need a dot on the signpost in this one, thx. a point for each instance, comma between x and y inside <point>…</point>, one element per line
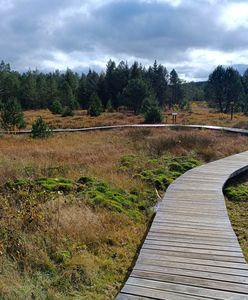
<point>174,117</point>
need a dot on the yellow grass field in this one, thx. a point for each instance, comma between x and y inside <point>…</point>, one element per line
<point>200,114</point>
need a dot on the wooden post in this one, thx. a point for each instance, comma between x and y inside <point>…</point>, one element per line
<point>232,105</point>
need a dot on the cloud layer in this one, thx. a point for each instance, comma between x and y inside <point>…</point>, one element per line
<point>192,35</point>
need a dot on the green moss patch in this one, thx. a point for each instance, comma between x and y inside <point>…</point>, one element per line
<point>101,194</point>
<point>237,193</point>
<point>160,172</point>
<point>56,184</point>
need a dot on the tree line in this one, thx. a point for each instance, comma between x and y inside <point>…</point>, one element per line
<point>119,85</point>
<point>134,87</point>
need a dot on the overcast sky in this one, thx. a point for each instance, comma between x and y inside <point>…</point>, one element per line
<point>193,36</point>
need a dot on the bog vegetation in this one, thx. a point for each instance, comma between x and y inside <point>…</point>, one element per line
<point>69,229</point>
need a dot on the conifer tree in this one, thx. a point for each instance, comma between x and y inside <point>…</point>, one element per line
<point>40,129</point>
<point>151,111</point>
<point>135,93</point>
<point>12,117</point>
<point>56,107</point>
<point>95,108</point>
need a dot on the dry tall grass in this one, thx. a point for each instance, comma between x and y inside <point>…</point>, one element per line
<point>200,114</point>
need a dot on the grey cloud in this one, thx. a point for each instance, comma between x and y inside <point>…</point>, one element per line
<point>32,31</point>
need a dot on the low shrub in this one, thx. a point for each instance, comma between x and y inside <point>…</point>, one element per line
<point>153,115</point>
<point>56,107</point>
<point>67,112</point>
<point>40,129</point>
<point>237,193</point>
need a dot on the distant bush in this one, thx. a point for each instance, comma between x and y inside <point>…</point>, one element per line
<point>153,115</point>
<point>95,108</point>
<point>40,129</point>
<point>56,107</point>
<point>73,104</point>
<point>186,105</point>
<point>68,112</point>
<point>109,107</point>
<point>151,111</point>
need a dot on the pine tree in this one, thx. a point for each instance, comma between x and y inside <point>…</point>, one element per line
<point>9,85</point>
<point>56,107</point>
<point>91,86</point>
<point>11,115</point>
<point>42,91</point>
<point>72,79</point>
<point>52,89</point>
<point>224,86</point>
<point>40,129</point>
<point>28,93</point>
<point>158,78</point>
<point>233,88</point>
<point>95,108</point>
<point>152,111</point>
<point>67,112</point>
<point>109,107</point>
<point>176,91</point>
<point>136,71</point>
<point>81,92</point>
<point>135,93</point>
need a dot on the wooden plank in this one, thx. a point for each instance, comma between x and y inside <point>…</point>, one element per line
<point>186,255</point>
<point>186,289</point>
<point>192,245</point>
<point>188,240</point>
<point>241,282</point>
<point>192,266</point>
<point>203,262</point>
<point>144,293</point>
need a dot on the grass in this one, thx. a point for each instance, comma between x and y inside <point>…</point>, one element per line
<point>236,193</point>
<point>81,119</point>
<point>200,114</point>
<point>75,207</point>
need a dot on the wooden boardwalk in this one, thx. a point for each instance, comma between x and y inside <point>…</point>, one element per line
<point>191,251</point>
<point>131,126</point>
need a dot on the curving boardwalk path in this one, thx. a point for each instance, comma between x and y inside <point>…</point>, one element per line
<point>191,251</point>
<point>112,127</point>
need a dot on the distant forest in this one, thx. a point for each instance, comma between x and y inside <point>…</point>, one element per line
<point>121,85</point>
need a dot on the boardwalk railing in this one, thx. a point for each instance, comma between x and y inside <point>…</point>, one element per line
<point>191,250</point>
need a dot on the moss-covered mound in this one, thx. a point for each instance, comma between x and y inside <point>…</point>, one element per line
<point>160,172</point>
<point>237,192</point>
<point>101,194</point>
